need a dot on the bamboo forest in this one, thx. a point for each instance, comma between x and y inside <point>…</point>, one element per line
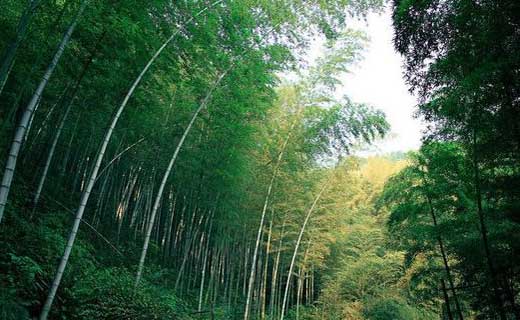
<point>260,159</point>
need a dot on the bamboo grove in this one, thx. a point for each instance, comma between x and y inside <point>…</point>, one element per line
<point>149,125</point>
<point>182,160</point>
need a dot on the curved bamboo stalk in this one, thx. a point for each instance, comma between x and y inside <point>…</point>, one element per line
<point>262,219</point>
<point>167,175</point>
<point>93,176</point>
<point>29,110</point>
<point>295,253</point>
<point>10,52</point>
<point>69,103</point>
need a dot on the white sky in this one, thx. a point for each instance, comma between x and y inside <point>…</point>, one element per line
<point>378,81</point>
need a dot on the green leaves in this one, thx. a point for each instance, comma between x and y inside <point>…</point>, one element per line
<point>340,53</point>
<point>220,170</point>
<point>393,308</point>
<point>10,306</point>
<point>334,131</point>
<point>109,294</point>
<point>434,200</point>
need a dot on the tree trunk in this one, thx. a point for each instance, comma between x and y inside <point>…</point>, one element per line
<point>204,262</point>
<point>446,300</point>
<point>167,175</point>
<point>9,118</point>
<point>192,234</point>
<point>43,125</point>
<point>168,237</point>
<point>93,176</point>
<point>23,124</point>
<point>68,107</point>
<point>484,233</point>
<point>299,289</point>
<point>50,155</point>
<point>295,253</point>
<point>10,51</point>
<point>444,255</point>
<point>274,276</point>
<point>266,264</point>
<point>261,225</point>
<point>203,276</point>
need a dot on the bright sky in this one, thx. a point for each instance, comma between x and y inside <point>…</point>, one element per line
<point>378,81</point>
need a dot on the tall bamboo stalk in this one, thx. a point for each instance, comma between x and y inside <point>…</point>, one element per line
<point>274,276</point>
<point>68,107</point>
<point>93,176</point>
<point>296,247</point>
<point>263,291</point>
<point>262,219</point>
<point>444,256</point>
<point>166,175</point>
<point>23,124</point>
<point>10,52</point>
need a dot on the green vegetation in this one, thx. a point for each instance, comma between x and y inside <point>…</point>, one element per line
<point>155,165</point>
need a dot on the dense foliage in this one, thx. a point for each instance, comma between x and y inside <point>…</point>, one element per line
<point>158,163</point>
<point>163,123</point>
<point>459,199</point>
